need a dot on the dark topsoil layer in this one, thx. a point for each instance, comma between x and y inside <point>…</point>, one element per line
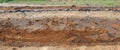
<point>60,8</point>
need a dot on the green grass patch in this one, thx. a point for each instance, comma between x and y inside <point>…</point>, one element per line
<point>69,2</point>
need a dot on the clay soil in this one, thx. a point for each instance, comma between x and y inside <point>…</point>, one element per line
<point>59,27</point>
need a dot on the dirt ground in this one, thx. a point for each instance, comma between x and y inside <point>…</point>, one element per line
<point>59,8</point>
<point>60,30</point>
<point>97,47</point>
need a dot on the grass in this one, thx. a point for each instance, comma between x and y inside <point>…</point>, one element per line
<point>75,2</point>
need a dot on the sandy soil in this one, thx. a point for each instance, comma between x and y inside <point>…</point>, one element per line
<point>97,47</point>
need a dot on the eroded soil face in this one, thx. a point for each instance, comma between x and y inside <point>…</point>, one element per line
<point>58,28</point>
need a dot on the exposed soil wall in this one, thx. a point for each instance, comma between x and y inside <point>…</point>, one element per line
<point>60,27</point>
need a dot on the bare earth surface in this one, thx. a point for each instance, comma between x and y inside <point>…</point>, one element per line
<point>59,29</point>
<point>97,47</point>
